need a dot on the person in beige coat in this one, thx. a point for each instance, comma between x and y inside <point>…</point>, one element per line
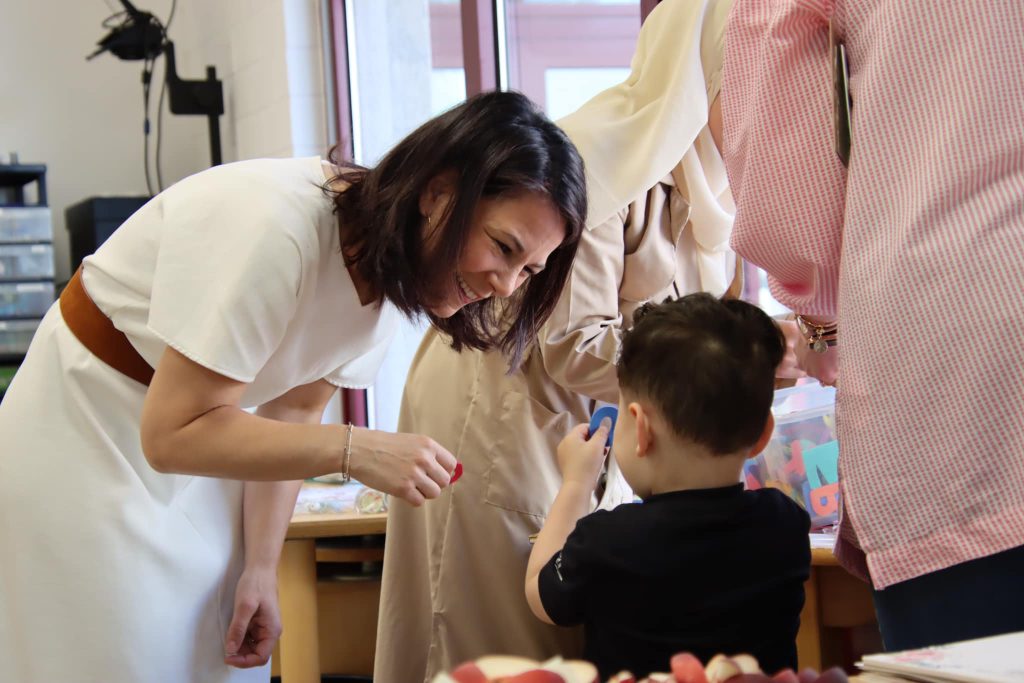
<point>658,226</point>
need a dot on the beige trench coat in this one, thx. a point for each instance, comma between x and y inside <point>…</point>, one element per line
<point>454,569</point>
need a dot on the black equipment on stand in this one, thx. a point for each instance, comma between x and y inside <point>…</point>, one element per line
<point>141,36</point>
<point>205,98</point>
<point>91,221</point>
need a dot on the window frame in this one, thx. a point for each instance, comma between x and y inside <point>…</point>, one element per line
<point>481,62</point>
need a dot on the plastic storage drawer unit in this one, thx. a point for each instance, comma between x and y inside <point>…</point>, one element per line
<point>25,299</point>
<point>16,335</point>
<point>25,224</point>
<point>26,262</point>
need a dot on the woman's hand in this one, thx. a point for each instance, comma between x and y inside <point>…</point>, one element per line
<point>410,466</point>
<point>256,624</point>
<point>824,367</point>
<point>790,368</point>
<point>580,459</point>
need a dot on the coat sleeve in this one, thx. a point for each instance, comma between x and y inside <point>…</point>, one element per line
<point>787,181</point>
<point>579,343</point>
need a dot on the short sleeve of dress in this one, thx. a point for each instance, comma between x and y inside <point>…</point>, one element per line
<point>564,583</point>
<point>362,372</point>
<point>228,271</point>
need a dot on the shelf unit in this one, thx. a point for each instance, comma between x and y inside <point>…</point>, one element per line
<point>26,261</point>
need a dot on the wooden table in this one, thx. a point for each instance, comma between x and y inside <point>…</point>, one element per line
<point>298,651</point>
<point>834,599</point>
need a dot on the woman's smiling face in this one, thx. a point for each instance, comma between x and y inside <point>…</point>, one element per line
<point>509,240</point>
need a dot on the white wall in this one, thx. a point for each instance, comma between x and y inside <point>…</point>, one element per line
<point>277,82</point>
<point>84,119</point>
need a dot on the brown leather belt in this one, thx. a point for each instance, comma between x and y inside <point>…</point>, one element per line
<point>98,334</point>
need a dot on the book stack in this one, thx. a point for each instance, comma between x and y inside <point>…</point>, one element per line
<point>997,659</point>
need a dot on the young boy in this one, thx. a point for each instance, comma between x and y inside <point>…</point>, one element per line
<point>701,565</point>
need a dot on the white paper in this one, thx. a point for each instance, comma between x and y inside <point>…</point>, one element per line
<point>998,659</point>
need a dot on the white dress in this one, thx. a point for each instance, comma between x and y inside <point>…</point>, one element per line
<point>109,570</point>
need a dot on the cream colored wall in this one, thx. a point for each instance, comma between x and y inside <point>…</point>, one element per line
<point>84,119</point>
<point>278,87</point>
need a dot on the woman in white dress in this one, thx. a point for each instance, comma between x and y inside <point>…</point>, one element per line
<point>142,508</point>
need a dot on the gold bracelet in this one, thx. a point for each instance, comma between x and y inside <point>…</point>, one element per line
<point>345,476</point>
<point>819,337</point>
<point>807,327</point>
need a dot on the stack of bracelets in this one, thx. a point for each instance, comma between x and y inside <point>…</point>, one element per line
<point>819,336</point>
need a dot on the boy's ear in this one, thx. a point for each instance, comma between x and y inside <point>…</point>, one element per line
<point>766,436</point>
<point>644,433</point>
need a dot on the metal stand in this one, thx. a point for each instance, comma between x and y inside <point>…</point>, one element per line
<point>205,98</point>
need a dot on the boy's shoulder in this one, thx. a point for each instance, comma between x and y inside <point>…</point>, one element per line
<point>764,509</point>
<point>608,521</point>
<point>610,528</point>
<point>624,522</point>
<point>778,505</point>
<point>776,501</point>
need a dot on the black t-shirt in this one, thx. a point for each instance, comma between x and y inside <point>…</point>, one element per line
<point>705,571</point>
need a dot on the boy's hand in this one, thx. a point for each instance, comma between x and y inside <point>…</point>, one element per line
<point>580,459</point>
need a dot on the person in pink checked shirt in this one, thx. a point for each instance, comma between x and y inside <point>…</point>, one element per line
<point>907,267</point>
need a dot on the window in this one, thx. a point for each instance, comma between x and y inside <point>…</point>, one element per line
<point>404,62</point>
<point>400,62</point>
<point>560,53</point>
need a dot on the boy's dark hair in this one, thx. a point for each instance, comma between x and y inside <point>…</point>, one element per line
<point>708,365</point>
<point>499,144</point>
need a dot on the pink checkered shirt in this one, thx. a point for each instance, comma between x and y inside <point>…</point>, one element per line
<point>917,249</point>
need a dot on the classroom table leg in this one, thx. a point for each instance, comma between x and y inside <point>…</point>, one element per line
<point>299,644</point>
<point>808,638</point>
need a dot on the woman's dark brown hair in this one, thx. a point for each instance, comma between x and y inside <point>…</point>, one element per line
<point>498,144</point>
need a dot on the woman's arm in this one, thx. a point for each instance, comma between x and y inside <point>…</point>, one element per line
<point>787,181</point>
<point>823,365</point>
<point>268,505</point>
<point>715,122</point>
<point>580,341</point>
<point>192,424</point>
<point>266,511</point>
